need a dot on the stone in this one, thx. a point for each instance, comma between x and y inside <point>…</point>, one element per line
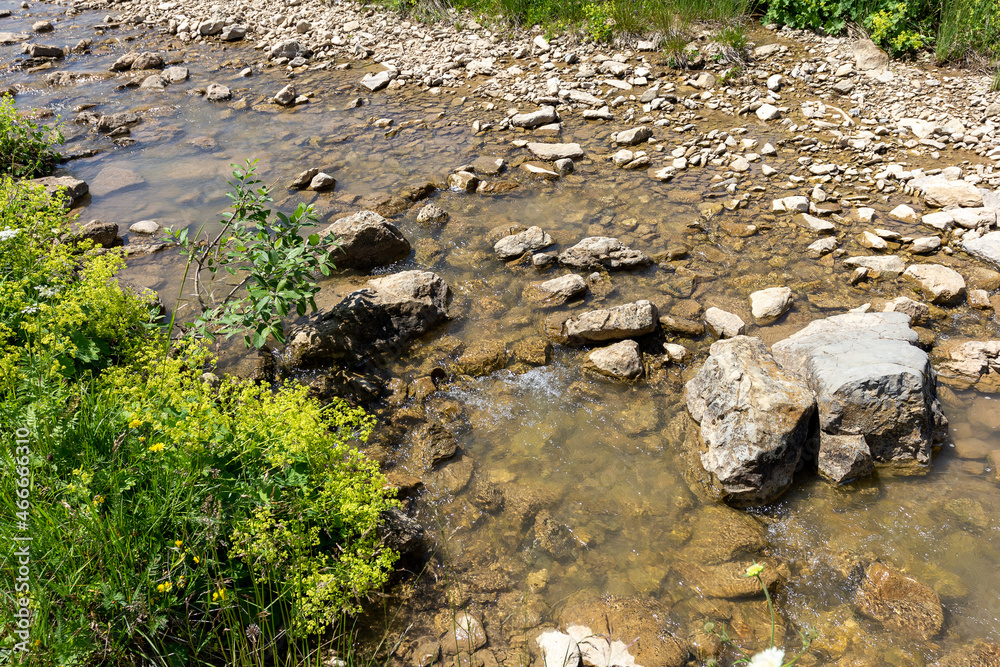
<point>558,649</point>
<point>103,234</point>
<point>640,623</point>
<point>144,227</point>
<point>796,204</point>
<point>543,116</point>
<point>868,57</point>
<point>870,379</point>
<point>844,458</point>
<point>463,181</point>
<point>940,192</point>
<point>985,248</point>
<point>399,531</point>
<point>724,324</point>
<point>388,314</point>
<point>375,81</point>
<point>72,190</point>
<point>286,96</point>
<point>433,444</point>
<point>966,364</point>
<point>607,324</point>
<point>869,240</point>
<point>465,635</point>
<point>42,26</point>
<point>888,266</point>
<point>558,290</point>
<point>767,50</point>
<point>904,213</point>
<point>365,240</point>
<point>636,135</point>
<point>918,312</point>
<point>112,179</point>
<point>216,92</point>
<point>154,82</point>
<point>489,166</point>
<point>595,252</point>
<point>945,286</point>
<point>45,51</point>
<point>843,87</point>
<point>822,247</point>
<point>483,359</point>
<point>515,245</point>
<point>598,650</point>
<point>432,213</point>
<point>774,82</point>
<point>552,152</point>
<point>288,48</point>
<point>621,361</point>
<point>942,220</point>
<point>304,178</point>
<point>233,33</point>
<point>768,112</point>
<point>899,602</point>
<point>769,304</point>
<point>925,245</point>
<point>176,74</point>
<point>818,225</point>
<point>210,27</point>
<point>114,121</point>
<point>147,60</point>
<point>322,182</point>
<point>755,419</point>
<point>973,218</point>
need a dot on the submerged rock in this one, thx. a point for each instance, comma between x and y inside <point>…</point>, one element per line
<point>70,189</point>
<point>366,240</point>
<point>900,602</point>
<point>870,380</point>
<point>606,324</point>
<point>640,623</point>
<point>558,649</point>
<point>556,291</point>
<point>755,420</point>
<point>515,245</point>
<point>972,363</point>
<point>622,361</point>
<point>595,252</point>
<point>382,318</point>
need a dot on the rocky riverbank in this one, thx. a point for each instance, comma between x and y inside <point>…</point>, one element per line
<point>598,230</point>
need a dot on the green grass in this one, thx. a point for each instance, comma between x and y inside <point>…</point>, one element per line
<point>26,150</point>
<point>175,519</point>
<point>969,30</point>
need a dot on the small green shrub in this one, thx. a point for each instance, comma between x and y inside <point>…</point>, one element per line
<point>599,24</point>
<point>887,29</point>
<point>829,16</point>
<point>26,150</point>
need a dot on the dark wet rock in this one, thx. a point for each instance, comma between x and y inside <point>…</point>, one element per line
<point>729,580</point>
<point>382,318</point>
<point>844,458</point>
<point>721,534</point>
<point>870,379</point>
<point>556,291</point>
<point>681,326</point>
<point>596,252</point>
<point>555,537</point>
<point>114,121</point>
<point>606,324</point>
<point>542,116</point>
<point>533,352</point>
<point>621,361</point>
<point>755,420</point>
<point>103,234</point>
<point>113,179</point>
<point>138,61</point>
<point>45,51</point>
<point>642,624</point>
<point>434,444</point>
<point>400,532</point>
<point>366,240</point>
<point>901,603</point>
<point>427,653</point>
<point>465,635</point>
<point>70,189</point>
<point>482,359</point>
<point>515,245</point>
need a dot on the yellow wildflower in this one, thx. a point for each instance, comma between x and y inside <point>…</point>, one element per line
<point>161,588</point>
<point>196,560</point>
<point>158,447</point>
<point>135,423</point>
<point>98,500</point>
<point>754,570</point>
<point>178,543</point>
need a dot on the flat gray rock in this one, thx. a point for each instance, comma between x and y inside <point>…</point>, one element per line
<point>553,152</point>
<point>366,240</point>
<point>985,248</point>
<point>886,265</point>
<point>621,361</point>
<point>871,380</point>
<point>606,324</point>
<point>595,252</point>
<point>515,245</point>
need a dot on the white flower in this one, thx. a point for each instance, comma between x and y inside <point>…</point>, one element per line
<point>772,657</point>
<point>7,233</point>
